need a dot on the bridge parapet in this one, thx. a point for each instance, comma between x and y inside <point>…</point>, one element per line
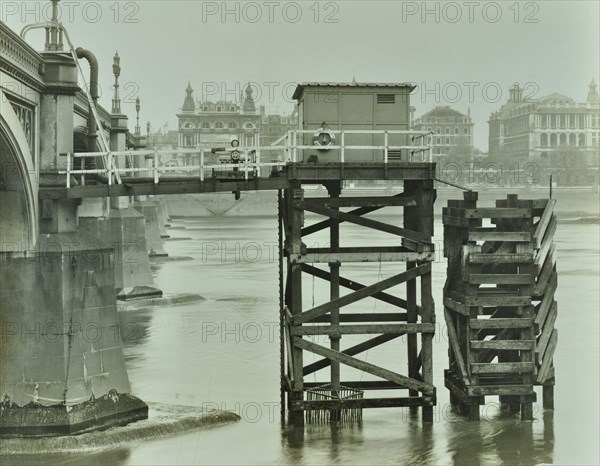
<point>20,60</point>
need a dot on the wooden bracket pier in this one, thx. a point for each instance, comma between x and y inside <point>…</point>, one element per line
<point>415,315</point>
<point>499,302</point>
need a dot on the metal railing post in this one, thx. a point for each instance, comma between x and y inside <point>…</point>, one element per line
<point>202,165</point>
<point>431,147</point>
<point>294,146</point>
<point>385,147</point>
<point>257,161</point>
<point>342,142</point>
<point>69,169</point>
<point>155,164</point>
<point>109,170</point>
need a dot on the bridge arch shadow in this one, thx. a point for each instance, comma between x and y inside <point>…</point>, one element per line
<point>18,186</point>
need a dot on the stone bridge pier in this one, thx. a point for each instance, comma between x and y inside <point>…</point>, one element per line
<point>132,234</point>
<point>63,369</point>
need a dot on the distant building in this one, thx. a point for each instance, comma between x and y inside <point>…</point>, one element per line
<point>527,128</point>
<point>216,124</point>
<point>451,129</point>
<point>273,127</point>
<point>163,139</point>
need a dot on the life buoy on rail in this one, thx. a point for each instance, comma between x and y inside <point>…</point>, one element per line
<point>323,137</point>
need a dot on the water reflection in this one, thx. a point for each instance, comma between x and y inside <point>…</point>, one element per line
<point>502,441</point>
<point>321,444</point>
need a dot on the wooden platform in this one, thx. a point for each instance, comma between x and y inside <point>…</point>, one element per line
<point>190,183</point>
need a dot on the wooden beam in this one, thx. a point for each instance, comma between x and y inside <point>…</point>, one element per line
<point>497,212</point>
<point>455,346</point>
<point>485,390</point>
<point>166,186</point>
<point>544,371</point>
<point>543,223</point>
<point>366,222</point>
<point>547,243</point>
<point>501,323</point>
<point>327,223</point>
<point>496,300</point>
<point>364,317</point>
<point>350,298</point>
<point>455,221</point>
<point>488,355</point>
<point>401,380</point>
<point>547,330</point>
<point>364,329</point>
<point>365,254</point>
<point>502,345</point>
<point>291,173</point>
<point>500,279</point>
<point>509,258</point>
<point>362,403</point>
<point>354,285</point>
<point>361,384</point>
<point>502,367</point>
<point>352,351</point>
<point>541,310</point>
<point>546,272</point>
<point>457,307</point>
<point>510,236</point>
<point>366,201</point>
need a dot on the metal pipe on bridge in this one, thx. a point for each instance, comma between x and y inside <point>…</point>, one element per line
<point>93,62</point>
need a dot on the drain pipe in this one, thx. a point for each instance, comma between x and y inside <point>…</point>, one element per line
<point>91,58</point>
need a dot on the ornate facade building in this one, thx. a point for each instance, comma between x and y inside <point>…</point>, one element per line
<point>452,129</point>
<point>527,128</point>
<point>216,124</point>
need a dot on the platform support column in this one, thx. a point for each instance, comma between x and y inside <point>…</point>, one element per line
<point>419,218</point>
<point>282,332</point>
<point>294,297</point>
<point>548,396</point>
<point>334,190</point>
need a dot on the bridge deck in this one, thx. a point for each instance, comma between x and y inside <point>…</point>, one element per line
<point>307,173</point>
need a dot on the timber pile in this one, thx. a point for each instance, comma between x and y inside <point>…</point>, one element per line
<point>499,302</point>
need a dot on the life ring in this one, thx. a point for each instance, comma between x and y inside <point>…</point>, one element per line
<point>323,138</point>
<point>235,156</point>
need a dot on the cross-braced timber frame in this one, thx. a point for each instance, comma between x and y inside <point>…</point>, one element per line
<point>415,250</point>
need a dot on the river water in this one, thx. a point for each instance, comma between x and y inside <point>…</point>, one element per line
<point>223,352</point>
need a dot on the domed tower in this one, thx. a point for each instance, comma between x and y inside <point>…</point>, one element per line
<point>188,104</point>
<point>249,106</point>
<point>592,97</point>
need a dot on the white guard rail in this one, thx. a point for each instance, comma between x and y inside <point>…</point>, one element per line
<point>284,150</point>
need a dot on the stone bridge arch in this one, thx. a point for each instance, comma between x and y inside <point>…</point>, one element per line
<point>18,185</point>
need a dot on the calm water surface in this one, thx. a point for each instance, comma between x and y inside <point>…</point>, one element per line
<point>223,352</point>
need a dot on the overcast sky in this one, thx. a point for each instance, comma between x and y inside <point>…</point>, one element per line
<point>460,54</point>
